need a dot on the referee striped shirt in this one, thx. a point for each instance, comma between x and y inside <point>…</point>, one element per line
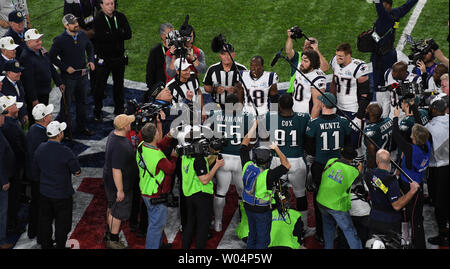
<point>179,89</point>
<point>217,76</point>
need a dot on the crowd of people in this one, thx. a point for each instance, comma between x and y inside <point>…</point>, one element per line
<point>365,145</point>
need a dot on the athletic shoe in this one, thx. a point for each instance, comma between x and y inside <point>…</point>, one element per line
<point>218,226</point>
<point>110,244</point>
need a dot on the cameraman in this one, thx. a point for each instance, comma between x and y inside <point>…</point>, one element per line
<point>427,64</point>
<point>258,184</point>
<point>385,196</point>
<point>296,57</point>
<point>414,162</point>
<point>198,189</point>
<point>155,173</point>
<point>195,56</point>
<point>385,26</point>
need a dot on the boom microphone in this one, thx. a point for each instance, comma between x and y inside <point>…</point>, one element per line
<point>217,43</point>
<point>275,59</point>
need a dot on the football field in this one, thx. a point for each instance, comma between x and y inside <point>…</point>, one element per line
<point>254,27</point>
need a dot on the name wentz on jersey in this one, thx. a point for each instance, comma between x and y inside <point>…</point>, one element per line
<point>217,76</point>
<point>346,83</point>
<point>258,90</point>
<point>288,132</point>
<point>302,89</point>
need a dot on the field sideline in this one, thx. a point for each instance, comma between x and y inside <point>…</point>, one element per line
<point>254,27</point>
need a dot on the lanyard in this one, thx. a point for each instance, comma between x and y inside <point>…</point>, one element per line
<point>115,22</point>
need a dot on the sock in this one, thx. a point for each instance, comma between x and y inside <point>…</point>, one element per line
<point>219,204</point>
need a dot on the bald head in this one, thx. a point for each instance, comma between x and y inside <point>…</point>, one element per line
<point>383,158</point>
<point>399,70</point>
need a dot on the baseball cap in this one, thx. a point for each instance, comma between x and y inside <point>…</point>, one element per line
<point>41,110</point>
<point>184,64</point>
<point>69,19</point>
<point>32,34</point>
<point>7,43</point>
<point>122,120</point>
<point>13,66</point>
<point>55,127</point>
<point>16,16</point>
<point>324,100</point>
<point>7,101</point>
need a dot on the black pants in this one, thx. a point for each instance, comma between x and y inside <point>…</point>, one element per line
<point>362,229</point>
<point>316,172</point>
<point>199,214</point>
<point>14,199</point>
<point>441,191</point>
<point>414,215</point>
<point>102,73</point>
<point>379,227</point>
<point>33,217</point>
<point>139,215</point>
<point>59,210</point>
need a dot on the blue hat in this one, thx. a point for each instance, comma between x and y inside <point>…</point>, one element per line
<point>13,66</point>
<point>16,16</point>
<point>326,101</point>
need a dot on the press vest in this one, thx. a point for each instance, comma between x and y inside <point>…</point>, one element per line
<point>334,190</point>
<point>191,182</point>
<point>293,76</point>
<point>255,185</point>
<point>150,158</point>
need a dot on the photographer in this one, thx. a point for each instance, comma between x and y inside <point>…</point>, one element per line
<point>414,161</point>
<point>259,181</point>
<point>385,27</point>
<point>198,188</point>
<point>296,57</point>
<point>195,56</point>
<point>111,30</point>
<point>427,62</point>
<point>155,173</point>
<point>385,196</point>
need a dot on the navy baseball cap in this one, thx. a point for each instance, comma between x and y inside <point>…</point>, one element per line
<point>16,16</point>
<point>13,66</point>
<point>325,101</point>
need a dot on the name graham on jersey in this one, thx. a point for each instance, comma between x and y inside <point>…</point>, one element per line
<point>228,118</point>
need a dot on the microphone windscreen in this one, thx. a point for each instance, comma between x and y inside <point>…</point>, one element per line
<point>217,43</point>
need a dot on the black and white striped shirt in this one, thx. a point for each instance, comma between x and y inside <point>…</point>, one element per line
<point>179,89</point>
<point>217,76</point>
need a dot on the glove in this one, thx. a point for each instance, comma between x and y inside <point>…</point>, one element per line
<point>357,122</point>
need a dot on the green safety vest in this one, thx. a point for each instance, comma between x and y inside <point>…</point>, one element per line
<point>291,85</point>
<point>280,233</point>
<point>190,182</point>
<point>259,190</point>
<point>334,190</point>
<point>148,183</point>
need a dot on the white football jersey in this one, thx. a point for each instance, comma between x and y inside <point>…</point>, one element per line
<point>258,90</point>
<point>302,89</point>
<point>389,80</point>
<point>346,83</point>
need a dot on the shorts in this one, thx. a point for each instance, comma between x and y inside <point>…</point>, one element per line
<point>119,210</point>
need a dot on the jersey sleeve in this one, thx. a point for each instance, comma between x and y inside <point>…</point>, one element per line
<point>207,80</point>
<point>361,70</point>
<point>311,129</point>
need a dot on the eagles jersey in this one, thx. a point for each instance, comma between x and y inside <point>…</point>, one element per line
<point>408,122</point>
<point>346,83</point>
<point>234,126</point>
<point>217,76</point>
<point>302,89</point>
<point>179,89</point>
<point>288,132</point>
<point>329,132</point>
<point>380,132</point>
<point>258,90</point>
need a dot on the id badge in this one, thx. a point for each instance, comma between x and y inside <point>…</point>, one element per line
<point>89,19</point>
<point>375,36</point>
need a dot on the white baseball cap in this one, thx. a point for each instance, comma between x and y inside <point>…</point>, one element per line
<point>41,110</point>
<point>32,34</point>
<point>184,64</point>
<point>7,101</point>
<point>7,43</point>
<point>55,127</point>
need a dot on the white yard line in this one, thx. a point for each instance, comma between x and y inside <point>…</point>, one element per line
<point>411,23</point>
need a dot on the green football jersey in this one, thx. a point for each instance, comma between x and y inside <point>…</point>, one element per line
<point>380,132</point>
<point>288,132</point>
<point>408,122</point>
<point>329,132</point>
<point>234,126</point>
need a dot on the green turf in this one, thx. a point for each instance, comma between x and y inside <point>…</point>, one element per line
<point>254,27</point>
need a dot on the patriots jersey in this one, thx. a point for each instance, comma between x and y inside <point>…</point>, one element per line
<point>389,80</point>
<point>288,132</point>
<point>302,89</point>
<point>380,132</point>
<point>329,133</point>
<point>346,83</point>
<point>258,90</point>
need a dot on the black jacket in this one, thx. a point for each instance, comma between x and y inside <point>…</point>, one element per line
<point>38,74</point>
<point>8,89</point>
<point>109,39</point>
<point>17,40</point>
<point>156,66</point>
